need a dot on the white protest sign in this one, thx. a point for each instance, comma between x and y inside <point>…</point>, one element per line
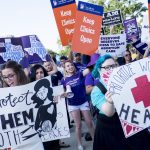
<point>131,85</point>
<point>29,110</point>
<point>145,35</point>
<point>115,45</point>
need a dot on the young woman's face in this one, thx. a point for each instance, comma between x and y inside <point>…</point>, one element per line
<point>9,77</point>
<point>42,93</point>
<point>39,74</point>
<point>108,65</point>
<point>69,67</point>
<point>48,66</point>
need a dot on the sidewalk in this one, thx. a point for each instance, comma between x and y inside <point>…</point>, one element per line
<point>73,142</point>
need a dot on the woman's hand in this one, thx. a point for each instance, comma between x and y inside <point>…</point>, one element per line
<point>108,97</point>
<point>63,95</point>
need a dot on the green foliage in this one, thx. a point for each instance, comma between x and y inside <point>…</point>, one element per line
<point>129,9</point>
<point>63,50</point>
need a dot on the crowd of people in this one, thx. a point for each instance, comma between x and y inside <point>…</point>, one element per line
<point>94,100</point>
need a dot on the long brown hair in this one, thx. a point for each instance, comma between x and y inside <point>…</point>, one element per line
<point>17,68</point>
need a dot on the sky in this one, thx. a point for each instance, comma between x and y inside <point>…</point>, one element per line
<point>27,17</point>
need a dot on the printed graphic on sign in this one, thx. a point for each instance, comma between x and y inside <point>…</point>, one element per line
<point>112,18</point>
<point>24,50</point>
<point>131,29</point>
<point>11,48</point>
<point>131,84</point>
<point>87,28</point>
<point>29,111</point>
<point>65,14</point>
<point>34,50</point>
<point>115,45</point>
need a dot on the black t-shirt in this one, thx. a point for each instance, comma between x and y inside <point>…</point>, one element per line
<point>56,78</point>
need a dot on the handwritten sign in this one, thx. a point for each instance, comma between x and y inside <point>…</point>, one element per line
<point>112,18</point>
<point>65,14</point>
<point>29,110</point>
<point>87,28</point>
<point>131,84</point>
<point>131,29</point>
<point>114,45</point>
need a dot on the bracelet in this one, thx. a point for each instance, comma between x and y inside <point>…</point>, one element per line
<point>110,102</point>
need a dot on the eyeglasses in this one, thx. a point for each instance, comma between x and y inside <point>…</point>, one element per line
<point>107,68</point>
<point>10,77</point>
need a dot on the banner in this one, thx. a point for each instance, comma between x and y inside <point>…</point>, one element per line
<point>130,85</point>
<point>29,110</point>
<point>112,18</point>
<point>115,45</point>
<point>65,14</point>
<point>131,29</point>
<point>87,28</point>
<point>24,50</point>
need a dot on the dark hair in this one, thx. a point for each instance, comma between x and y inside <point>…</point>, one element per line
<point>77,54</point>
<point>38,85</point>
<point>63,57</point>
<point>33,70</point>
<point>17,68</point>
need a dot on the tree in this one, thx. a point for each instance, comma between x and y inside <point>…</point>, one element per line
<point>129,9</point>
<point>64,50</point>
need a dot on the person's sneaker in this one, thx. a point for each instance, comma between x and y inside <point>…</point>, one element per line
<point>80,147</point>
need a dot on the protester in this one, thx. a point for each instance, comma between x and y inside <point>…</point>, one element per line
<point>38,72</point>
<point>128,58</point>
<point>55,77</point>
<point>78,102</point>
<point>109,134</point>
<point>13,75</point>
<point>62,61</point>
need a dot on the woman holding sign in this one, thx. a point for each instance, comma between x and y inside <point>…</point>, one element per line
<point>78,102</point>
<point>109,133</point>
<point>14,75</point>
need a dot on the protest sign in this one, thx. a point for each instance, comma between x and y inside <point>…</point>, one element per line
<point>131,29</point>
<point>130,85</point>
<point>24,50</point>
<point>34,49</point>
<point>112,18</point>
<point>29,110</point>
<point>87,28</point>
<point>140,46</point>
<point>65,14</point>
<point>10,49</point>
<point>115,45</point>
<point>145,35</point>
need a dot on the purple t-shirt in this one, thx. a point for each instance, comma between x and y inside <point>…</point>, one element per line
<point>76,82</point>
<point>89,80</point>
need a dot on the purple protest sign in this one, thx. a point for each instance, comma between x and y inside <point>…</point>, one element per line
<point>131,29</point>
<point>25,50</point>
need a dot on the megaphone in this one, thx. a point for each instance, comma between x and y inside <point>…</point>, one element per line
<point>69,93</point>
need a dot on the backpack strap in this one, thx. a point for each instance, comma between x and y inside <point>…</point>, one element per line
<point>101,87</point>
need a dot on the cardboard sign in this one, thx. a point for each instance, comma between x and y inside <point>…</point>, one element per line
<point>140,46</point>
<point>112,18</point>
<point>115,45</point>
<point>145,34</point>
<point>131,85</point>
<point>24,50</point>
<point>29,110</point>
<point>87,28</point>
<point>131,29</point>
<point>65,13</point>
